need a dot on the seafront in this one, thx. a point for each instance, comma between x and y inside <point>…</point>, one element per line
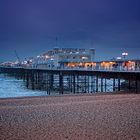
<point>72,117</point>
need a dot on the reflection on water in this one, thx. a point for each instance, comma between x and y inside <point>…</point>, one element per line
<point>11,87</point>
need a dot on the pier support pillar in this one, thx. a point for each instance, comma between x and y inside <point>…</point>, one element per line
<point>32,81</point>
<point>51,81</point>
<point>27,79</point>
<point>129,85</point>
<point>136,85</point>
<point>96,83</point>
<point>88,83</point>
<point>73,83</point>
<point>113,84</point>
<point>119,85</point>
<point>105,84</point>
<point>60,83</point>
<point>101,84</point>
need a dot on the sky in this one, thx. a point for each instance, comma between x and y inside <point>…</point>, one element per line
<point>31,26</point>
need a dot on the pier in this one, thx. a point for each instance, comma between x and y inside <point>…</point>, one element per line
<point>63,81</point>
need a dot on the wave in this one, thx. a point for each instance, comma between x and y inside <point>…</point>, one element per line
<point>11,87</point>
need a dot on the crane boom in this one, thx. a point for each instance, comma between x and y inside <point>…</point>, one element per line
<point>17,57</point>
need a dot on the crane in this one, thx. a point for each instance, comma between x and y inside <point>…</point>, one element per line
<point>17,57</point>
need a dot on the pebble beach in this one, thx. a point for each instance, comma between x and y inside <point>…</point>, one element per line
<point>71,117</point>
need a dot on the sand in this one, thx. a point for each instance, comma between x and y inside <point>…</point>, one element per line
<point>87,117</point>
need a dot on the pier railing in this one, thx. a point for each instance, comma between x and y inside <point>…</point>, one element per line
<point>121,69</point>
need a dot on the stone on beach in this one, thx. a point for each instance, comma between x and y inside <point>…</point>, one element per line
<point>86,117</point>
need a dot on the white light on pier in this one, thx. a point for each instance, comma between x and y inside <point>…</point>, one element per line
<point>52,59</point>
<point>47,57</point>
<point>124,54</point>
<point>119,58</point>
<point>84,57</point>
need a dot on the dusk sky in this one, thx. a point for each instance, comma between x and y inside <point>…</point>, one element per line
<point>31,26</point>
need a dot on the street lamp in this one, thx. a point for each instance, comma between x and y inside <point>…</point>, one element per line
<point>124,54</point>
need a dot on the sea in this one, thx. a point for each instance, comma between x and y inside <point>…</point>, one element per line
<point>11,87</point>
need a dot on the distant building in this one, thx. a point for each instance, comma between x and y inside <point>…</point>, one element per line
<point>65,58</point>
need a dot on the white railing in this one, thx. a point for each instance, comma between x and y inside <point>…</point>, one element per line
<point>120,69</point>
<point>92,69</point>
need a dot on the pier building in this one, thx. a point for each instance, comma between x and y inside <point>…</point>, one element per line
<point>64,58</point>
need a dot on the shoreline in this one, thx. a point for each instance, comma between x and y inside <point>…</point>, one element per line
<point>76,94</point>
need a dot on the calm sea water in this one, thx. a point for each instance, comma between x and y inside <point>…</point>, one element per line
<point>11,87</point>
